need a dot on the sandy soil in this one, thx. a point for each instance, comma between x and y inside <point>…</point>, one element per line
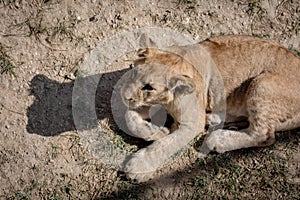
<point>41,154</point>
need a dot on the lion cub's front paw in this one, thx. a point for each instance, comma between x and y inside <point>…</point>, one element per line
<point>143,129</point>
<point>138,168</point>
<point>140,177</point>
<point>158,134</point>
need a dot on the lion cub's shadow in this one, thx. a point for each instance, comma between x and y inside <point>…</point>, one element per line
<point>50,114</point>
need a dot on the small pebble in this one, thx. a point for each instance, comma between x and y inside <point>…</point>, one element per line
<point>94,18</point>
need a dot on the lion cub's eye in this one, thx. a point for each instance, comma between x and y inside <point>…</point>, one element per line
<point>147,87</point>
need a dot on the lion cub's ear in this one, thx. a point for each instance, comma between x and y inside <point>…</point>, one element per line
<point>146,56</point>
<point>181,85</point>
<point>146,42</point>
<point>149,49</point>
<point>146,53</point>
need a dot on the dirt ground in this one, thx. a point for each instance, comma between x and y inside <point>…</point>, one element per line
<point>42,45</point>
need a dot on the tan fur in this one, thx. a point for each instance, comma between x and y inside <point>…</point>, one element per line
<point>260,81</point>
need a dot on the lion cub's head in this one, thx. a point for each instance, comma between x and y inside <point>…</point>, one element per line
<point>162,78</point>
<point>156,79</point>
<point>148,84</point>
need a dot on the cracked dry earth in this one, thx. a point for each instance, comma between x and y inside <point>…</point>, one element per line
<point>41,154</point>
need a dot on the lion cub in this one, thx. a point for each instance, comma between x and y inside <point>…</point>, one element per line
<point>244,77</point>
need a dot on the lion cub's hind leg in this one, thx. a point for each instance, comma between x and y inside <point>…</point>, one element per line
<point>267,113</point>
